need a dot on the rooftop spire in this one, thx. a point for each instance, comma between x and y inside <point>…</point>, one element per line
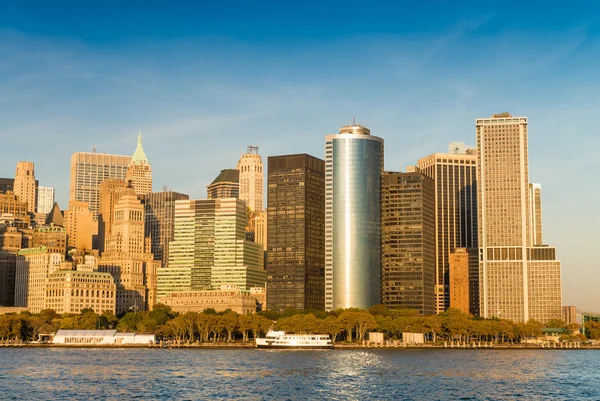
<point>139,156</point>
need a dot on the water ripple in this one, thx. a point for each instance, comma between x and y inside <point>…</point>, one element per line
<point>249,374</point>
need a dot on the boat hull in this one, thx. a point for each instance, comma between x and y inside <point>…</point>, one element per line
<point>296,347</point>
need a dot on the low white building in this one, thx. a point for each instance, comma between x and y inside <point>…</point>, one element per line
<point>101,337</point>
<point>413,338</point>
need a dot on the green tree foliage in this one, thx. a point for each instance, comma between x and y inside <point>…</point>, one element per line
<point>592,330</point>
<point>349,324</point>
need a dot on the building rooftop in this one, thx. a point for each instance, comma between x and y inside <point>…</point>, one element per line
<point>55,216</point>
<point>227,175</point>
<point>139,156</point>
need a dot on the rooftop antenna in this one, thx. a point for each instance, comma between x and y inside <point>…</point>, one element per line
<point>353,121</point>
<point>93,149</point>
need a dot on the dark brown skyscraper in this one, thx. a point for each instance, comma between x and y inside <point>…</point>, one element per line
<point>455,180</point>
<point>296,232</point>
<point>408,242</point>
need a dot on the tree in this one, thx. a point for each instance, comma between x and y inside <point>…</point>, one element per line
<point>556,323</point>
<point>348,320</point>
<point>433,325</point>
<point>245,325</point>
<point>379,310</point>
<point>364,322</point>
<point>592,329</point>
<point>230,323</point>
<point>204,325</point>
<point>129,322</point>
<point>332,326</point>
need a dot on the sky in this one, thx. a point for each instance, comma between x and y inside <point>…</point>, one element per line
<point>203,80</point>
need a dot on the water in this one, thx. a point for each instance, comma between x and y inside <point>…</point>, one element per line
<point>146,374</point>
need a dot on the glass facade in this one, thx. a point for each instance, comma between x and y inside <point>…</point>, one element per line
<point>357,161</point>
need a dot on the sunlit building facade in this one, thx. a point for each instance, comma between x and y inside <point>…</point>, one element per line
<point>88,170</point>
<point>25,186</point>
<point>210,248</point>
<point>353,169</point>
<point>139,171</point>
<point>455,178</point>
<point>251,177</point>
<point>518,280</point>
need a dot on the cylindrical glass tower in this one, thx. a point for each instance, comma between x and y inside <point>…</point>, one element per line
<point>353,197</point>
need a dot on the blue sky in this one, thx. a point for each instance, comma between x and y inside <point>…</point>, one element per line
<point>202,80</point>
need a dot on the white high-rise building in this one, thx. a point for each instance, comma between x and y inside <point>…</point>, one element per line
<point>45,199</point>
<point>251,179</point>
<point>519,280</point>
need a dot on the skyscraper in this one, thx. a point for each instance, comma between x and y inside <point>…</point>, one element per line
<point>45,199</point>
<point>455,178</point>
<point>25,186</point>
<point>88,170</point>
<point>160,222</point>
<point>226,185</point>
<point>80,225</point>
<point>210,248</point>
<point>353,169</point>
<point>535,200</point>
<point>295,234</point>
<point>251,178</point>
<point>408,242</point>
<point>127,256</point>
<point>517,280</point>
<point>110,192</point>
<point>139,171</point>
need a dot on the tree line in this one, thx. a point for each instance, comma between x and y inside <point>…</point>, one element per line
<point>348,325</point>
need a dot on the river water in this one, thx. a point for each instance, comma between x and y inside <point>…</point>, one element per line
<point>252,374</point>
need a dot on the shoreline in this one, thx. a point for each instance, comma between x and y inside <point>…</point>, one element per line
<point>335,347</point>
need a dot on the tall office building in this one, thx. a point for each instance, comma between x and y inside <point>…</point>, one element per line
<point>160,222</point>
<point>296,232</point>
<point>127,256</point>
<point>80,225</point>
<point>408,242</point>
<point>535,207</point>
<point>45,199</point>
<point>353,169</point>
<point>110,192</point>
<point>251,178</point>
<point>139,171</point>
<point>88,170</point>
<point>455,178</point>
<point>25,185</point>
<point>518,281</point>
<point>210,248</point>
<point>226,185</point>
<point>33,267</point>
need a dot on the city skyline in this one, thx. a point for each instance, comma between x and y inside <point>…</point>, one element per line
<point>418,96</point>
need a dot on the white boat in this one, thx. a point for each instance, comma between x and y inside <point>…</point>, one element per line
<point>280,340</point>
